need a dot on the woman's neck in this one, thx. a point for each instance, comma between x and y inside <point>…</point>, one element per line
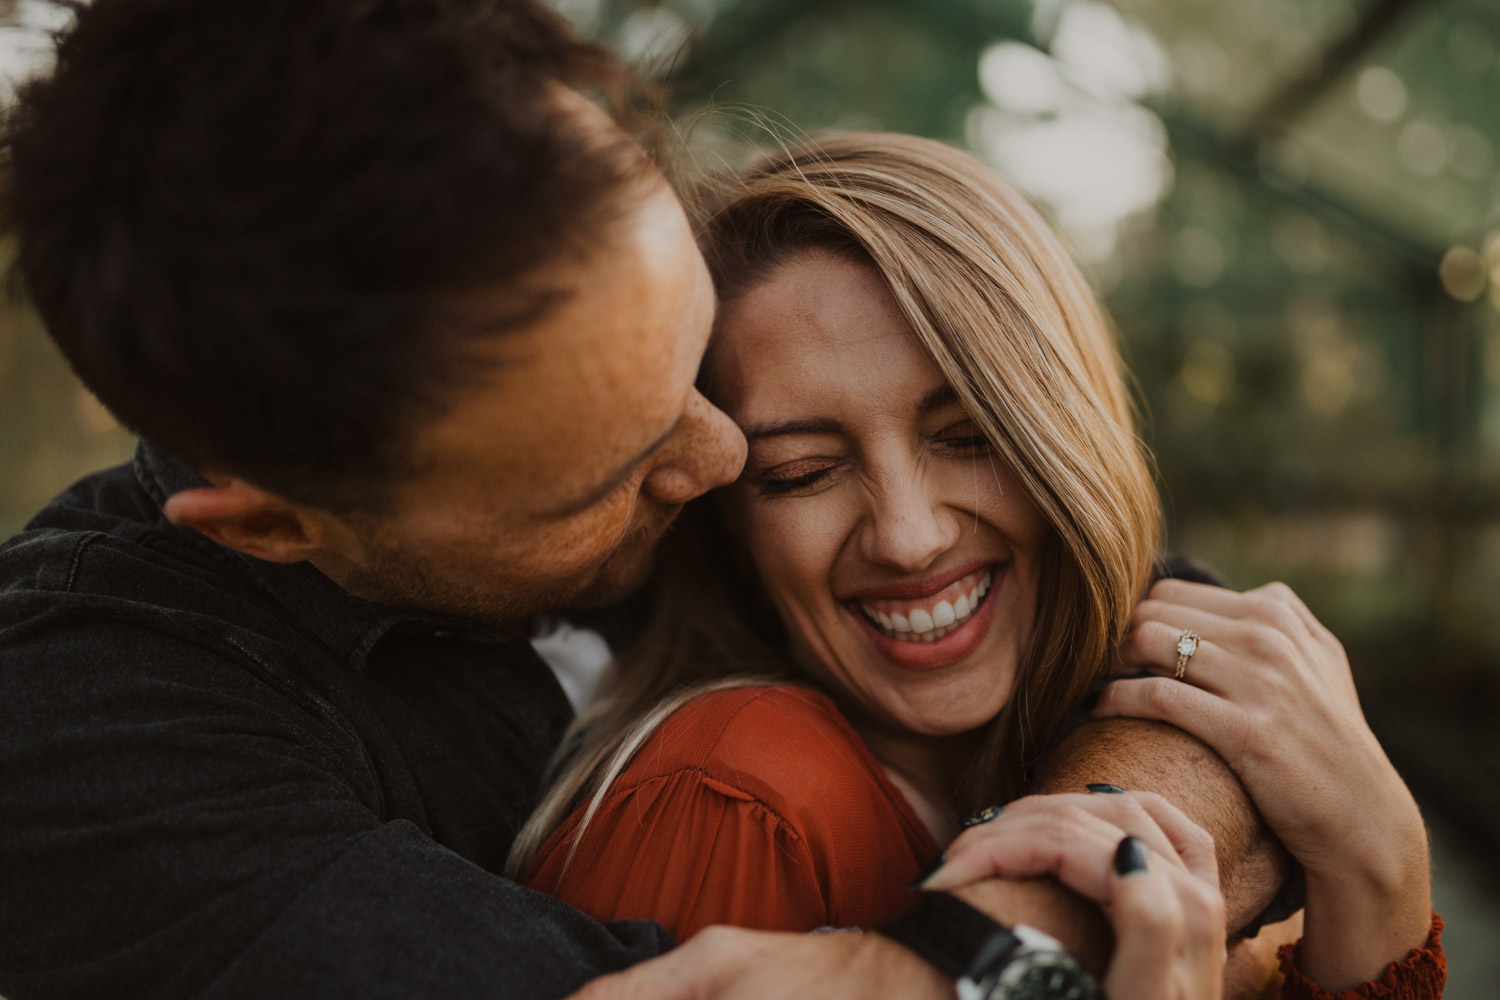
<point>926,769</point>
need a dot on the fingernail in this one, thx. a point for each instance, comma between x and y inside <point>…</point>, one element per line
<point>1130,856</point>
<point>1104,789</point>
<point>928,872</point>
<point>982,816</point>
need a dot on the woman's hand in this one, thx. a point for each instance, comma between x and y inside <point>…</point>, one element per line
<point>1269,688</point>
<point>1150,868</point>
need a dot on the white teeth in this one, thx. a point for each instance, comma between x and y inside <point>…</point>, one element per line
<point>923,625</point>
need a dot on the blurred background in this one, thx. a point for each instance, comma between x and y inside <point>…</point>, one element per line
<point>1292,208</point>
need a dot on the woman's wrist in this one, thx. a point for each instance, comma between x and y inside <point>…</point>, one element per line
<point>1369,910</point>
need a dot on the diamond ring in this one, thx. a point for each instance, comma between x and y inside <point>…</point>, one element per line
<point>1187,645</point>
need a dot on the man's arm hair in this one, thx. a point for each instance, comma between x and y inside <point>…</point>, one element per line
<point>1144,756</point>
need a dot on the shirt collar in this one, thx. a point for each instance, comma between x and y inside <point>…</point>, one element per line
<point>349,625</point>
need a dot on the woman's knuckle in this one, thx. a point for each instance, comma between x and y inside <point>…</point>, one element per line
<point>1162,590</point>
<point>1133,814</point>
<point>1163,918</point>
<point>1261,607</point>
<point>1265,642</point>
<point>1199,838</point>
<point>1025,806</point>
<point>1162,696</point>
<point>1069,816</point>
<point>716,941</point>
<point>1217,913</point>
<point>1279,591</point>
<point>1151,608</point>
<point>1148,800</point>
<point>1284,618</point>
<point>1206,904</point>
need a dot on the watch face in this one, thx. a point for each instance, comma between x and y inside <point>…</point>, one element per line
<point>1044,975</point>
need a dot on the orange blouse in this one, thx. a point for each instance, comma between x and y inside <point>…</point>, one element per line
<point>762,808</point>
<point>758,807</point>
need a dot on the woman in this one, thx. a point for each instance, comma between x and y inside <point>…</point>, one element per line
<point>943,527</point>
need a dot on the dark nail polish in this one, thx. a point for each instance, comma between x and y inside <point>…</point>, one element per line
<point>1130,856</point>
<point>928,872</point>
<point>1106,789</point>
<point>982,816</point>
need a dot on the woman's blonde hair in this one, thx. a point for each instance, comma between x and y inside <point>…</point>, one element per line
<point>1012,324</point>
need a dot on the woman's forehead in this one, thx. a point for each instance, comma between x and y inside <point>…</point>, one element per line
<point>820,325</point>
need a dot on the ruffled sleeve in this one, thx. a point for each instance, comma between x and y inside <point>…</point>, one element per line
<point>759,808</point>
<point>687,851</point>
<point>1419,976</point>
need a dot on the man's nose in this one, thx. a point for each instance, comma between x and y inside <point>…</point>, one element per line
<point>708,450</point>
<point>906,526</point>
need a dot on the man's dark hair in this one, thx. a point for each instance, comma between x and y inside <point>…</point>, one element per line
<point>239,219</point>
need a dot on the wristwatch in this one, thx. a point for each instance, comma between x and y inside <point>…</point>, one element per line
<point>989,960</point>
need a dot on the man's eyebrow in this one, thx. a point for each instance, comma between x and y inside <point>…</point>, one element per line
<point>932,401</point>
<point>612,483</point>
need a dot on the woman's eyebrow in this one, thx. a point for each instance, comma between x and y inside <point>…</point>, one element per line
<point>936,399</point>
<point>780,428</point>
<point>933,400</point>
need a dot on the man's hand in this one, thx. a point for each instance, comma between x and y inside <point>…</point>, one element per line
<point>724,963</point>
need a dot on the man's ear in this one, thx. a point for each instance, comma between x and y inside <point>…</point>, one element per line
<point>248,519</point>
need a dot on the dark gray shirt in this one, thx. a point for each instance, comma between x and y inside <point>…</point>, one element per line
<point>221,777</point>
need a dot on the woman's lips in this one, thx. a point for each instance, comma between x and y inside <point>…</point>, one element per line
<point>918,588</point>
<point>959,641</point>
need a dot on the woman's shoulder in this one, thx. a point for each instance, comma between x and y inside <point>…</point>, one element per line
<point>774,733</point>
<point>767,787</point>
<point>786,747</point>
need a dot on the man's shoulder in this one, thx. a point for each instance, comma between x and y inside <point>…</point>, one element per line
<point>99,589</point>
<point>105,519</point>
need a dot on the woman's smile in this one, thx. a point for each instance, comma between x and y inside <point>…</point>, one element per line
<point>930,624</point>
<point>928,609</point>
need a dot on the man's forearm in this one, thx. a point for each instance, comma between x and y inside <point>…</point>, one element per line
<point>1049,906</point>
<point>1150,757</point>
<point>1147,756</point>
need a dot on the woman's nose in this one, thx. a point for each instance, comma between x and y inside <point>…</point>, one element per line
<point>907,527</point>
<point>708,450</point>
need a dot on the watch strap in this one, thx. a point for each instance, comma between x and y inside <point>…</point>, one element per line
<point>963,942</point>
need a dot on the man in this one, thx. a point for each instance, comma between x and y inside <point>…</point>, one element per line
<point>410,328</point>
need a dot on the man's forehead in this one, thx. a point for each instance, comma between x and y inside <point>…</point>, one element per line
<point>606,370</point>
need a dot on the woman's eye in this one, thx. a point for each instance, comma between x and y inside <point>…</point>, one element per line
<point>773,484</point>
<point>965,439</point>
